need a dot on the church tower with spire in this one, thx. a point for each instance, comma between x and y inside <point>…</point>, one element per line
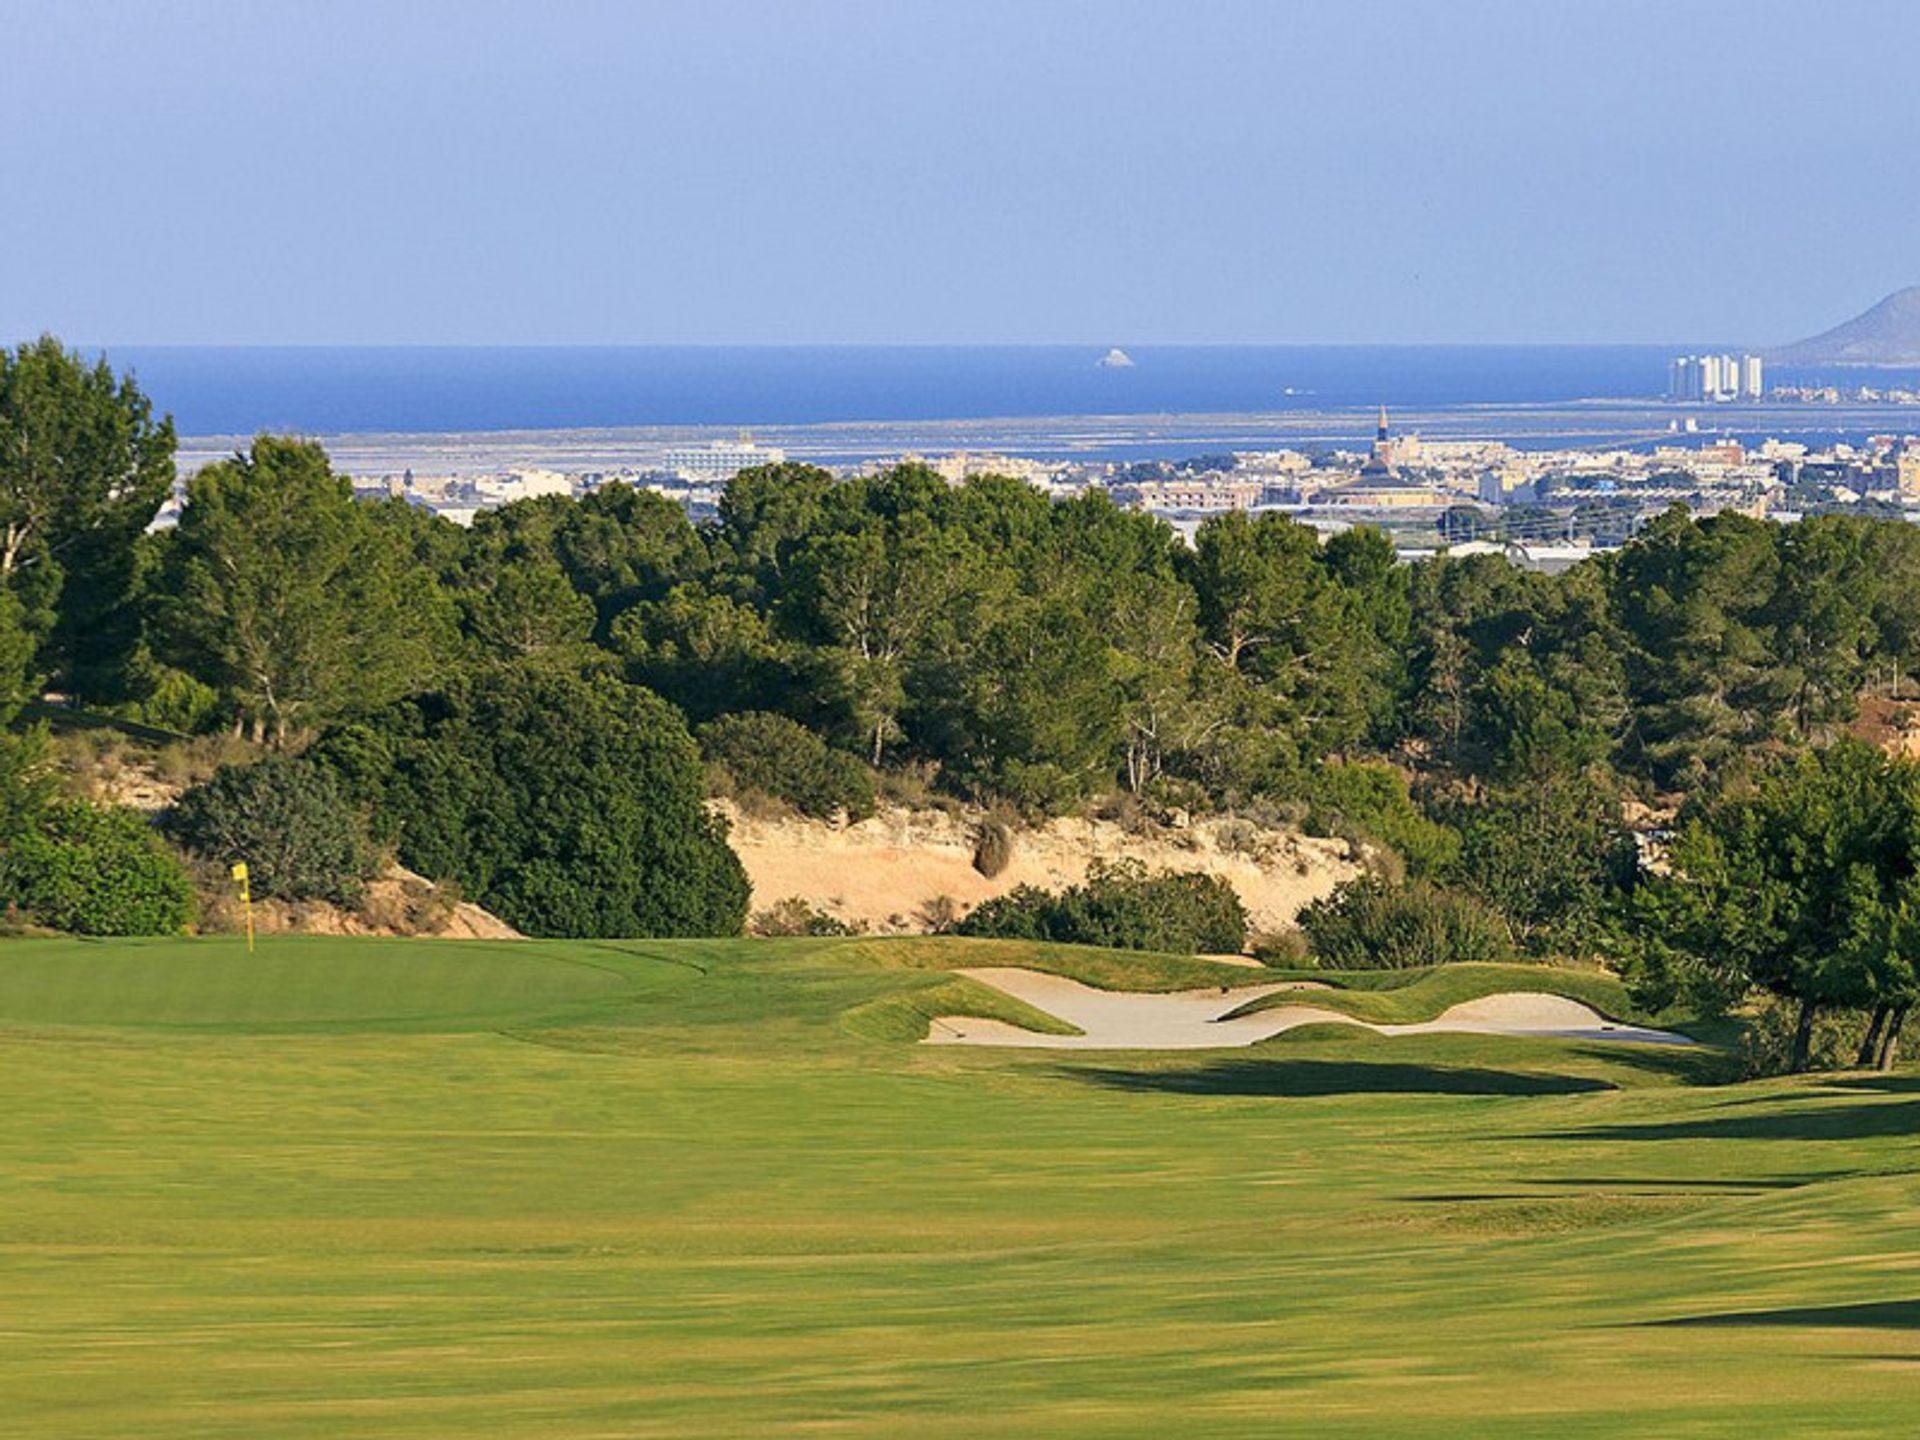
<point>1379,464</point>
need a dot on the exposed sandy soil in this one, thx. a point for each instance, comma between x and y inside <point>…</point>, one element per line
<point>397,903</point>
<point>1893,725</point>
<point>883,872</point>
<point>1192,1019</point>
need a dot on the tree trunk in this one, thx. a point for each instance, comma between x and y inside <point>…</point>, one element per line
<point>1802,1039</point>
<point>1890,1039</point>
<point>1870,1047</point>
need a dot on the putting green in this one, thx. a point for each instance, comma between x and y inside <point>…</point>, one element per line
<point>302,982</point>
<point>411,1191</point>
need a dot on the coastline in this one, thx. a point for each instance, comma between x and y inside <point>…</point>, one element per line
<point>1585,423</point>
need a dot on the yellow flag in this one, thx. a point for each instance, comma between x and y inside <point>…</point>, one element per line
<point>246,895</point>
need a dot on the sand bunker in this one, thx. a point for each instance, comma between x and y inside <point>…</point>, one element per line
<point>1194,1019</point>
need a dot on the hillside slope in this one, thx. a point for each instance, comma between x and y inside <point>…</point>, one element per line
<point>1886,334</point>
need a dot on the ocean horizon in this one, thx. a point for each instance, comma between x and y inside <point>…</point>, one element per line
<point>226,390</point>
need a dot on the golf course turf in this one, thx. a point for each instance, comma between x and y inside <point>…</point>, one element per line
<point>354,1188</point>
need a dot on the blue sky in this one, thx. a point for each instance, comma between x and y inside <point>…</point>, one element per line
<point>853,171</point>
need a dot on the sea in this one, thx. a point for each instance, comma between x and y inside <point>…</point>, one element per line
<point>848,404</point>
<point>326,390</point>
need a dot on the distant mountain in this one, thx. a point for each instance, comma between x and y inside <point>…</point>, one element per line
<point>1888,334</point>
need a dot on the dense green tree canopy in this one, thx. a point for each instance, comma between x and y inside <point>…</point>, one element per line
<point>295,603</point>
<point>615,545</point>
<point>84,466</point>
<point>1806,884</point>
<point>1552,857</point>
<point>25,785</point>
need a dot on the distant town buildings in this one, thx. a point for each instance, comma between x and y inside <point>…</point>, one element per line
<point>1716,378</point>
<point>1540,508</point>
<point>1906,472</point>
<point>721,460</point>
<point>1198,494</point>
<point>495,490</point>
<point>1822,394</point>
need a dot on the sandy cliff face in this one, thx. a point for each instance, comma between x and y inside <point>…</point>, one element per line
<point>885,871</point>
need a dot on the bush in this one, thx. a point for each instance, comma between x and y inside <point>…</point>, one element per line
<point>1766,1038</point>
<point>1553,858</point>
<point>410,905</point>
<point>289,820</point>
<point>1284,950</point>
<point>1123,907</point>
<point>993,849</point>
<point>1368,924</point>
<point>794,916</point>
<point>167,697</point>
<point>938,916</point>
<point>568,805</point>
<point>1372,802</point>
<point>96,870</point>
<point>773,755</point>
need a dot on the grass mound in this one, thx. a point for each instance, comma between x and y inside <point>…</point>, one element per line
<point>908,1016</point>
<point>1103,969</point>
<point>1416,996</point>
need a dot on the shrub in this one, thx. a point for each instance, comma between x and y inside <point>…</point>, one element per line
<point>1553,858</point>
<point>794,916</point>
<point>96,870</point>
<point>1368,924</point>
<point>1025,912</point>
<point>1284,950</point>
<point>993,849</point>
<point>289,820</point>
<point>1766,1038</point>
<point>938,915</point>
<point>1123,907</point>
<point>410,905</point>
<point>167,697</point>
<point>1372,802</point>
<point>568,805</point>
<point>775,756</point>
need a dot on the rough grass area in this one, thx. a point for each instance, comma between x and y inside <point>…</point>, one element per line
<point>553,1191</point>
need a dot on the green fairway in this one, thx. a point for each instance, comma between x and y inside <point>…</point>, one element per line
<point>353,1188</point>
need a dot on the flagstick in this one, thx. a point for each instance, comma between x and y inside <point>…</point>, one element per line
<point>246,899</point>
